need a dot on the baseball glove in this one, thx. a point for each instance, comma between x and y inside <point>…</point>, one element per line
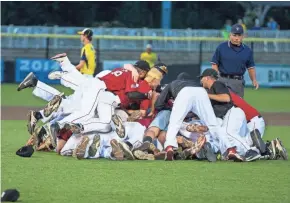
<point>197,128</point>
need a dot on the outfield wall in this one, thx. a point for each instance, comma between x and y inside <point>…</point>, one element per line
<point>167,57</point>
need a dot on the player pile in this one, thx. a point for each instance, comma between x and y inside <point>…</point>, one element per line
<point>125,114</point>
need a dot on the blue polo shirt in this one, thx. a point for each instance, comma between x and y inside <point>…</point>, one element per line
<point>233,60</point>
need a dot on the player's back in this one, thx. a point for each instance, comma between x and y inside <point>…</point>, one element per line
<point>117,79</point>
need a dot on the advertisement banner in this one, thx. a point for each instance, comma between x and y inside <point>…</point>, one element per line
<point>110,64</point>
<point>40,67</point>
<point>2,70</point>
<point>273,75</point>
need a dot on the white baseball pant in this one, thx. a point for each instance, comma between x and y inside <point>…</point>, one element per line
<point>134,135</point>
<point>234,125</point>
<point>193,99</point>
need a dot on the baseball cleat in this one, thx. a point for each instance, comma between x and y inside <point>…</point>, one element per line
<point>76,128</point>
<point>119,128</point>
<point>271,150</point>
<point>201,140</point>
<point>257,141</point>
<point>56,75</point>
<point>169,156</point>
<point>196,128</point>
<point>160,156</point>
<point>31,122</point>
<point>59,57</point>
<point>52,131</point>
<point>38,135</point>
<point>148,147</point>
<point>209,152</point>
<point>184,142</point>
<point>186,154</point>
<point>80,150</point>
<point>282,152</point>
<point>234,156</point>
<point>252,155</point>
<point>127,152</point>
<point>94,146</point>
<point>141,155</point>
<point>53,105</point>
<point>29,81</point>
<point>117,153</point>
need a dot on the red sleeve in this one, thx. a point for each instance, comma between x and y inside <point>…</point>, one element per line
<point>144,87</point>
<point>131,86</point>
<point>145,104</point>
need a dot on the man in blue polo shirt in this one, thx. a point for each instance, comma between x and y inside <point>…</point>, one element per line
<point>232,58</point>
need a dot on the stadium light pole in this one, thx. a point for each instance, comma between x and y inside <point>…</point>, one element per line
<point>166,15</point>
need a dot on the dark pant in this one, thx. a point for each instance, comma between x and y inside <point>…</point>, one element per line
<point>235,85</point>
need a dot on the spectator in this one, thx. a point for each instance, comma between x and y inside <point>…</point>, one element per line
<point>257,25</point>
<point>240,21</point>
<point>272,24</point>
<point>227,29</point>
<point>149,56</point>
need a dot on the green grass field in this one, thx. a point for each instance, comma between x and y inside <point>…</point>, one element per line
<point>264,99</point>
<point>47,177</point>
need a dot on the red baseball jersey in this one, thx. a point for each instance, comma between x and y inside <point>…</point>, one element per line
<point>125,102</point>
<point>250,111</point>
<point>120,79</point>
<point>144,87</point>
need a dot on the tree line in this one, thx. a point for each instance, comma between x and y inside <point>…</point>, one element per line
<point>194,15</point>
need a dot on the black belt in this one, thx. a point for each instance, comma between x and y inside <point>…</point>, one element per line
<point>236,77</point>
<point>259,116</point>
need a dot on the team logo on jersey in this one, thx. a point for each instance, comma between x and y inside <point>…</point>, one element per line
<point>135,85</point>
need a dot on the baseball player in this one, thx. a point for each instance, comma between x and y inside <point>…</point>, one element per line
<point>256,129</point>
<point>153,79</point>
<point>232,118</point>
<point>95,96</point>
<point>57,101</point>
<point>189,96</point>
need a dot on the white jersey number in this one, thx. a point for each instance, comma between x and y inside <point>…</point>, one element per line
<point>118,73</point>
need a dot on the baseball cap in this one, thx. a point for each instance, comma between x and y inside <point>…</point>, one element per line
<point>209,72</point>
<point>25,151</point>
<point>237,29</point>
<point>148,46</point>
<point>162,67</point>
<point>87,31</point>
<point>143,65</point>
<point>10,195</point>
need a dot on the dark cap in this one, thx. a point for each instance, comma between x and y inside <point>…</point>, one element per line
<point>25,151</point>
<point>162,67</point>
<point>209,72</point>
<point>184,76</point>
<point>87,32</point>
<point>237,29</point>
<point>143,65</point>
<point>10,195</point>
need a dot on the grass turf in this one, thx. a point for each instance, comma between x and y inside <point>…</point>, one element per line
<point>265,99</point>
<point>47,177</point>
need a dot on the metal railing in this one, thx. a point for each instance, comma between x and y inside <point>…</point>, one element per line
<point>16,38</point>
